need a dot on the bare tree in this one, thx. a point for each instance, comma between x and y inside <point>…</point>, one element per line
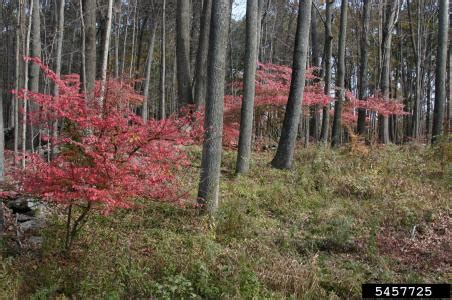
<point>449,106</point>
<point>2,141</point>
<point>419,55</point>
<point>315,57</point>
<point>363,67</point>
<point>441,61</point>
<point>246,117</point>
<point>17,80</point>
<point>286,146</point>
<point>183,52</point>
<point>59,34</point>
<point>211,152</point>
<point>34,68</point>
<point>35,45</point>
<point>147,79</point>
<point>89,21</point>
<point>340,78</point>
<point>103,78</point>
<point>327,54</point>
<point>390,20</point>
<point>25,100</point>
<point>117,15</point>
<point>201,56</point>
<point>162,104</point>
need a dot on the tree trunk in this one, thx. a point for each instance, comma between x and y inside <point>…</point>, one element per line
<point>71,55</point>
<point>315,54</point>
<point>201,56</point>
<point>440,79</point>
<point>449,90</point>
<point>117,39</point>
<point>60,35</point>
<point>162,104</point>
<point>147,79</point>
<point>89,16</point>
<point>340,79</point>
<point>183,53</point>
<point>259,27</point>
<point>429,104</point>
<point>34,68</point>
<point>101,31</point>
<point>419,57</point>
<point>2,142</point>
<point>124,44</point>
<point>363,68</point>
<point>106,47</point>
<point>35,46</point>
<point>286,146</point>
<point>388,28</point>
<point>328,50</point>
<point>246,117</point>
<point>212,146</point>
<point>17,81</point>
<point>140,44</point>
<point>25,101</point>
<point>132,51</point>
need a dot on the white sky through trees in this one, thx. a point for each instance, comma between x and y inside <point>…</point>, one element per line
<point>238,9</point>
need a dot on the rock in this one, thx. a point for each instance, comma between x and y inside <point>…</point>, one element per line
<point>30,225</point>
<point>28,206</point>
<point>23,218</point>
<point>39,209</point>
<point>35,241</point>
<point>20,206</point>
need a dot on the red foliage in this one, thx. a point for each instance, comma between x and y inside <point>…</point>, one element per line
<point>106,154</point>
<point>272,90</point>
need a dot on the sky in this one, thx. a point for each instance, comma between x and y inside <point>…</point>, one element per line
<point>238,9</point>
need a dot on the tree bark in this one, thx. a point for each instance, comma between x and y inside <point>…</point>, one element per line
<point>2,143</point>
<point>449,91</point>
<point>259,27</point>
<point>363,68</point>
<point>117,38</point>
<point>440,79</point>
<point>246,117</point>
<point>212,146</point>
<point>162,104</point>
<point>388,28</point>
<point>60,34</point>
<point>201,56</point>
<point>34,68</point>
<point>17,81</point>
<point>429,104</point>
<point>340,79</point>
<point>183,53</point>
<point>140,44</point>
<point>315,54</point>
<point>286,146</point>
<point>35,46</point>
<point>147,79</point>
<point>106,47</point>
<point>124,44</point>
<point>328,50</point>
<point>89,16</point>
<point>25,100</point>
<point>419,57</point>
<point>132,51</point>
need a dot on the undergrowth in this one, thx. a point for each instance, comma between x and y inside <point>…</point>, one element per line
<point>317,231</point>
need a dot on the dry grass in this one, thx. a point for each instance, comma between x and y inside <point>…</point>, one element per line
<point>337,220</point>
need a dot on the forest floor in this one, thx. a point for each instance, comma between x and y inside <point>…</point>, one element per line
<point>336,220</point>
